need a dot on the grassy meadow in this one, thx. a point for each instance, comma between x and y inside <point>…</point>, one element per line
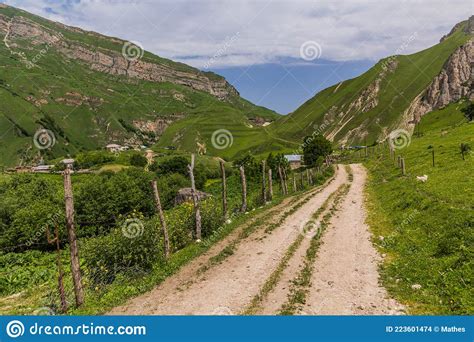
<point>425,229</point>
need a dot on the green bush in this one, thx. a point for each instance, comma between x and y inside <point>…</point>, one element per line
<point>169,186</point>
<point>101,199</point>
<point>211,216</point>
<point>87,160</point>
<point>138,160</point>
<point>130,248</point>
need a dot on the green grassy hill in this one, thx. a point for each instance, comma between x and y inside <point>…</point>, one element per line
<point>43,86</point>
<point>365,109</point>
<point>427,227</point>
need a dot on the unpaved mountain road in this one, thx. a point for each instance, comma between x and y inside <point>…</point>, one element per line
<point>346,260</point>
<point>345,279</point>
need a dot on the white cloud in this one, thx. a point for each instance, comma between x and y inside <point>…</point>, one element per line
<point>194,31</point>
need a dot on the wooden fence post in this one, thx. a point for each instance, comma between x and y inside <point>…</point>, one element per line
<point>74,251</point>
<point>161,215</point>
<point>62,293</point>
<point>270,184</point>
<point>243,208</point>
<point>433,155</point>
<point>399,161</point>
<point>294,183</point>
<point>403,166</point>
<point>307,177</point>
<point>366,152</point>
<point>284,181</point>
<point>224,191</point>
<point>302,179</point>
<point>195,199</point>
<point>264,183</point>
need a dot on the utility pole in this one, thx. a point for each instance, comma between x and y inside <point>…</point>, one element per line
<point>161,215</point>
<point>74,251</point>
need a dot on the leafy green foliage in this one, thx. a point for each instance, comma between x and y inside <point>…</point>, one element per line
<point>93,158</point>
<point>115,253</point>
<point>138,160</point>
<point>315,148</point>
<point>469,112</point>
<point>464,148</point>
<point>250,164</point>
<point>279,160</point>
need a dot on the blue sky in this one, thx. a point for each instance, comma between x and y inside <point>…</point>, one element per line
<point>276,53</point>
<point>284,86</point>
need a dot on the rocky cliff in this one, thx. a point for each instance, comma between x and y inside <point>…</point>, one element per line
<point>19,28</point>
<point>454,82</point>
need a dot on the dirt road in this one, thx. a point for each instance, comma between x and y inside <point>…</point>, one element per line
<point>256,277</point>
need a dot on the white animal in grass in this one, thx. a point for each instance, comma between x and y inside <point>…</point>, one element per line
<point>423,178</point>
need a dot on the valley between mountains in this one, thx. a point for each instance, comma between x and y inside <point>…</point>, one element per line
<point>131,184</point>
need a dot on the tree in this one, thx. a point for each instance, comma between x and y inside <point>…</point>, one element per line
<point>178,164</point>
<point>315,147</point>
<point>252,167</point>
<point>465,148</point>
<point>138,160</point>
<point>469,112</point>
<point>273,162</point>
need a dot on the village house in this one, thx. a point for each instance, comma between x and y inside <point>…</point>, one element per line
<point>295,160</point>
<point>114,148</point>
<point>42,168</point>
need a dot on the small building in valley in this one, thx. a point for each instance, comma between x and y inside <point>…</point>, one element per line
<point>295,160</point>
<point>42,168</point>
<point>114,148</point>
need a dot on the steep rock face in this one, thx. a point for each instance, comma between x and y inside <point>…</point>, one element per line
<point>111,62</point>
<point>455,81</point>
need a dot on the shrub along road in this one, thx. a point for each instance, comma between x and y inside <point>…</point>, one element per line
<point>256,269</point>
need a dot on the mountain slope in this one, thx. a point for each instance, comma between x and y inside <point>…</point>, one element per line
<point>395,93</point>
<point>91,90</point>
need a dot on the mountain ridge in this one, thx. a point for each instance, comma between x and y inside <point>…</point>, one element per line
<point>89,91</point>
<point>393,94</point>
